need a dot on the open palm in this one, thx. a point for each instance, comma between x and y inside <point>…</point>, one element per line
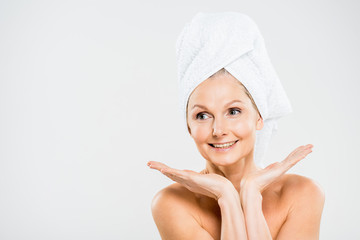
<point>262,178</point>
<point>210,184</point>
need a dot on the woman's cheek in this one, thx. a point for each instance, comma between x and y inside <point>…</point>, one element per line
<point>200,132</point>
<point>242,128</point>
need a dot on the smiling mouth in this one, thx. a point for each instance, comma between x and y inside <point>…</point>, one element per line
<point>223,145</point>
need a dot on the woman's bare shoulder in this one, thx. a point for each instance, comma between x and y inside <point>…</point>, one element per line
<point>175,211</point>
<point>297,188</point>
<point>295,182</point>
<point>303,200</point>
<point>174,197</point>
<point>174,192</point>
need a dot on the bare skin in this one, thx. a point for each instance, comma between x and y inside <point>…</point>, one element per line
<point>232,198</point>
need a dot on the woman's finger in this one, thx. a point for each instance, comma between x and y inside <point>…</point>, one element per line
<point>296,155</point>
<point>168,170</point>
<point>157,165</point>
<point>179,174</point>
<point>175,176</point>
<point>293,158</point>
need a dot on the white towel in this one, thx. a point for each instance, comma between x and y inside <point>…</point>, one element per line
<point>231,40</point>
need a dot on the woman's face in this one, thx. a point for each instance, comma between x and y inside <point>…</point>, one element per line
<point>219,111</point>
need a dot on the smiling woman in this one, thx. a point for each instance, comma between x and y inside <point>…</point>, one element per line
<point>231,125</point>
<point>220,112</point>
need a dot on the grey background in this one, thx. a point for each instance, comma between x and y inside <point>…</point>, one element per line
<point>88,95</point>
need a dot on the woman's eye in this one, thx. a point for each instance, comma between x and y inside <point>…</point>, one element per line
<point>201,116</point>
<point>234,111</point>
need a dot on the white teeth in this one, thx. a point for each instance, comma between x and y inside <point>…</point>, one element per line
<point>223,145</point>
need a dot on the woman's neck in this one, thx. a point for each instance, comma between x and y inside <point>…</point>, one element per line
<point>235,172</point>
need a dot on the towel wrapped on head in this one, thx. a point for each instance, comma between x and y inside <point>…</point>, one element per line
<point>231,40</point>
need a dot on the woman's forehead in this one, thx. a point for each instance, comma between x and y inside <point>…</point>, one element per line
<point>219,89</point>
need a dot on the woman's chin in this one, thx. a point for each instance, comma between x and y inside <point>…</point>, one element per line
<point>223,162</point>
<point>226,160</point>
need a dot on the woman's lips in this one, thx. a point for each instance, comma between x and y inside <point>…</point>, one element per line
<point>223,149</point>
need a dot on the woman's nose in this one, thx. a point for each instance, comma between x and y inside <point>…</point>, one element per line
<point>219,128</point>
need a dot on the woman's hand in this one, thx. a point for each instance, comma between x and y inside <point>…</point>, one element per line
<point>262,178</point>
<point>210,184</point>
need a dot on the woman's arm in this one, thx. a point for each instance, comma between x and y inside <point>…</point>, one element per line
<point>173,224</point>
<point>232,218</point>
<point>251,200</point>
<point>174,216</point>
<point>303,219</point>
<point>256,224</point>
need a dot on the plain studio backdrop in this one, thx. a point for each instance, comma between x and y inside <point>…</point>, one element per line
<point>88,95</point>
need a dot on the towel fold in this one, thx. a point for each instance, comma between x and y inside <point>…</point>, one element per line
<point>231,40</point>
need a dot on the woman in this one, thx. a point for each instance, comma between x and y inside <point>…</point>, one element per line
<point>233,198</point>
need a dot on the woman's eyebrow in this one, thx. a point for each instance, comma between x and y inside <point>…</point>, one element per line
<point>229,103</point>
<point>233,101</point>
